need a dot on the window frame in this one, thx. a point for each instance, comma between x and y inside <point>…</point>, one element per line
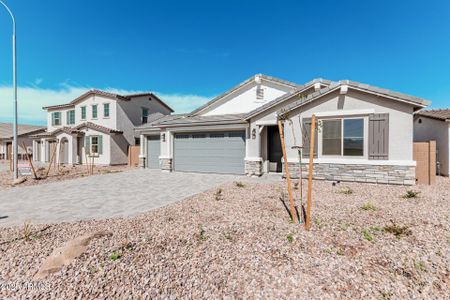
<point>70,114</point>
<point>106,105</point>
<point>342,119</point>
<point>96,111</point>
<point>85,112</point>
<point>54,118</point>
<point>144,119</point>
<point>92,145</point>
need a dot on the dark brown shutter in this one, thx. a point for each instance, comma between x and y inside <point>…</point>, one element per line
<point>306,132</point>
<point>379,136</point>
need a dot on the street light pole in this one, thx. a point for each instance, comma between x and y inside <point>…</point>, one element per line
<point>15,148</point>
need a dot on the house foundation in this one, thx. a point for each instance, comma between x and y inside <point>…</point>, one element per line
<point>385,174</point>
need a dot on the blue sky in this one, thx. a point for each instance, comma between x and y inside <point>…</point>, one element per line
<point>190,51</point>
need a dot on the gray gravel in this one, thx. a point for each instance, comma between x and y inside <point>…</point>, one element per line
<point>237,242</point>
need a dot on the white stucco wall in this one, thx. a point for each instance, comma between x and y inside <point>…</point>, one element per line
<point>88,102</point>
<point>244,99</point>
<point>432,129</point>
<point>400,123</point>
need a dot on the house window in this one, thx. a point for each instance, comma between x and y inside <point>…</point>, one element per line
<point>343,137</point>
<point>94,145</point>
<point>259,93</point>
<point>106,110</point>
<point>144,115</point>
<point>83,113</point>
<point>56,118</point>
<point>331,137</point>
<point>70,117</point>
<point>94,111</point>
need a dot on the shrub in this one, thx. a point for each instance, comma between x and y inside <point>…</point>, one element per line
<point>346,191</point>
<point>366,234</point>
<point>239,184</point>
<point>397,230</point>
<point>115,255</point>
<point>290,237</point>
<point>369,206</point>
<point>411,194</point>
<point>218,195</point>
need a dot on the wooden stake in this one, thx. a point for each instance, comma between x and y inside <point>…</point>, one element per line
<point>311,158</point>
<point>29,160</point>
<point>288,177</point>
<point>87,162</point>
<point>51,160</point>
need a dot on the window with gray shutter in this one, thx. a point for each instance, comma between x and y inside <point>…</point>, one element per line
<point>306,133</point>
<point>379,136</point>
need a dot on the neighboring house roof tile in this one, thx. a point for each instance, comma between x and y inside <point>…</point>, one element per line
<point>97,127</point>
<point>439,114</point>
<point>418,102</point>
<point>77,129</point>
<point>6,130</point>
<point>195,120</point>
<point>268,78</point>
<point>108,95</point>
<point>186,120</point>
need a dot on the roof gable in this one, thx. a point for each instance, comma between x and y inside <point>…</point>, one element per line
<point>347,84</point>
<point>225,97</point>
<point>109,95</point>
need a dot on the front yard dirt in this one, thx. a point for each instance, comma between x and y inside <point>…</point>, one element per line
<point>56,174</point>
<point>366,241</point>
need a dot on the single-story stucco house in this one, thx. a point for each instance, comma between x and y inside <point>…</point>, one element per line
<point>435,125</point>
<point>98,125</point>
<point>365,133</point>
<point>24,133</point>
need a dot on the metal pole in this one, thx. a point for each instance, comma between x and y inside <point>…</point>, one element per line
<point>15,147</point>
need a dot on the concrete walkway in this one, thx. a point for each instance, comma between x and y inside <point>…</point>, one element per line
<point>103,196</point>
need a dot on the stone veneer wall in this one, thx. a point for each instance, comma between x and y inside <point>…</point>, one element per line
<point>403,175</point>
<point>142,162</point>
<point>165,164</point>
<point>253,168</point>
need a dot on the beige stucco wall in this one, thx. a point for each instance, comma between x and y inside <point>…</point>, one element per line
<point>400,122</point>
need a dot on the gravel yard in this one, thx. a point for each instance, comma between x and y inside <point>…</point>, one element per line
<point>366,241</point>
<point>55,174</point>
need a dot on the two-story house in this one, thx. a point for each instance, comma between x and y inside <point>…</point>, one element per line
<point>96,126</point>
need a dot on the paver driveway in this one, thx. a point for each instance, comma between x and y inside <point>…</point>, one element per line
<point>101,196</point>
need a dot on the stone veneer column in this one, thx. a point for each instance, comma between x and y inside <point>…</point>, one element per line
<point>253,167</point>
<point>166,164</point>
<point>142,151</point>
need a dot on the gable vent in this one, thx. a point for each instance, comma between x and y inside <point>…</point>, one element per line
<point>259,93</point>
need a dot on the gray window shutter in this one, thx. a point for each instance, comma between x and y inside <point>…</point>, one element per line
<point>306,132</point>
<point>379,136</point>
<point>100,144</point>
<point>87,144</point>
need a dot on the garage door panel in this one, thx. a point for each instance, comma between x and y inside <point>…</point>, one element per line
<point>153,152</point>
<point>214,152</point>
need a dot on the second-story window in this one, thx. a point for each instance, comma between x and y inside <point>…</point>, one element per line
<point>83,113</point>
<point>70,117</point>
<point>94,111</point>
<point>56,118</point>
<point>106,110</point>
<point>144,115</point>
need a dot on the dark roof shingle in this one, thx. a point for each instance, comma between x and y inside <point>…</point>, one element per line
<point>439,114</point>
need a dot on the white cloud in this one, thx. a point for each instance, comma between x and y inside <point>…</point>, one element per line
<point>31,99</point>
